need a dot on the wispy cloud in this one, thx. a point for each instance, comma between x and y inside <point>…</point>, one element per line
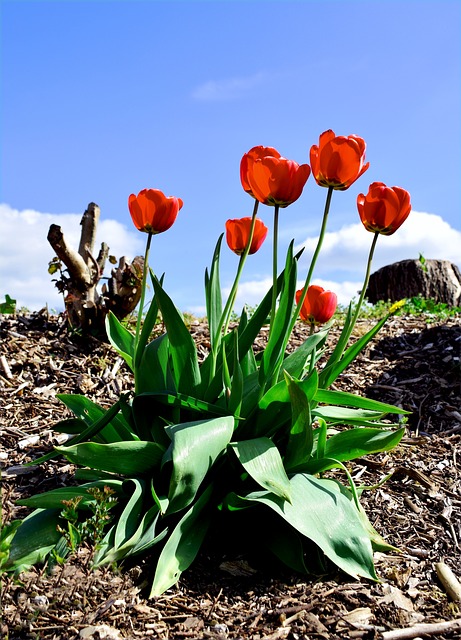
<point>26,252</point>
<point>229,88</point>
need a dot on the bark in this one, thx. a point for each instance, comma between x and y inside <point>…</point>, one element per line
<point>439,280</point>
<point>86,307</point>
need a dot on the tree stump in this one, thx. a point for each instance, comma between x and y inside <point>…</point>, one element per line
<point>438,280</point>
<point>87,308</point>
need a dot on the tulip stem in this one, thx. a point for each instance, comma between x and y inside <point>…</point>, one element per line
<point>274,266</point>
<point>225,318</point>
<point>143,290</point>
<point>364,289</point>
<point>314,259</point>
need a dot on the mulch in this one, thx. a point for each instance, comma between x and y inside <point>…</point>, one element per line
<point>414,362</point>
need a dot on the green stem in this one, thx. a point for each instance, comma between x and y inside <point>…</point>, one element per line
<point>314,259</point>
<point>225,318</point>
<point>143,291</point>
<point>364,288</point>
<point>274,266</point>
<point>224,321</point>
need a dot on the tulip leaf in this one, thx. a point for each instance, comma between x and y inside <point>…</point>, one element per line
<point>153,372</point>
<point>195,447</point>
<point>280,325</point>
<point>351,400</point>
<point>262,461</point>
<point>54,499</point>
<point>213,296</point>
<point>115,430</point>
<point>334,367</point>
<point>124,458</point>
<point>34,539</point>
<point>182,545</point>
<point>320,511</point>
<point>120,338</point>
<point>183,352</point>
<point>300,439</point>
<point>148,324</point>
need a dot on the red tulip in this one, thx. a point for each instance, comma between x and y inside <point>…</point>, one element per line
<point>383,209</point>
<point>271,179</point>
<point>338,161</point>
<point>152,211</point>
<point>238,234</point>
<point>318,306</point>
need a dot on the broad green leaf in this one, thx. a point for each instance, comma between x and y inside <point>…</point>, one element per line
<point>125,458</point>
<point>322,513</point>
<point>300,438</point>
<point>236,392</point>
<point>153,372</point>
<point>333,369</point>
<point>295,362</point>
<point>351,400</point>
<point>115,430</point>
<point>195,446</point>
<point>182,545</point>
<point>280,325</point>
<point>87,411</point>
<point>131,514</point>
<point>262,461</point>
<point>34,539</point>
<point>355,443</point>
<point>148,324</point>
<point>183,351</point>
<point>120,338</point>
<point>213,296</point>
<point>54,499</point>
<point>345,415</point>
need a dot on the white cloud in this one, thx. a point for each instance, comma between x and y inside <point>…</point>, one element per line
<point>26,252</point>
<point>228,89</point>
<point>346,250</point>
<point>342,263</point>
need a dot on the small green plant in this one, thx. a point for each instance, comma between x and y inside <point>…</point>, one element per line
<point>9,306</point>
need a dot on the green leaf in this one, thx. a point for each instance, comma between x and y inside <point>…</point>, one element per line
<point>295,362</point>
<point>262,461</point>
<point>131,514</point>
<point>322,513</point>
<point>195,446</point>
<point>344,415</point>
<point>351,400</point>
<point>34,539</point>
<point>9,306</point>
<point>153,372</point>
<point>355,443</point>
<point>125,458</point>
<point>333,369</point>
<point>182,545</point>
<point>54,499</point>
<point>280,325</point>
<point>114,426</point>
<point>183,352</point>
<point>300,439</point>
<point>236,391</point>
<point>148,324</point>
<point>120,338</point>
<point>213,296</point>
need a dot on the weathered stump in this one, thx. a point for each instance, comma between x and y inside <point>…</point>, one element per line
<point>86,307</point>
<point>438,280</point>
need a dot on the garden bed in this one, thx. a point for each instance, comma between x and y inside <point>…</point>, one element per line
<point>413,363</point>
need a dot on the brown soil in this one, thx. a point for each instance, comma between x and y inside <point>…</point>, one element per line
<point>412,363</point>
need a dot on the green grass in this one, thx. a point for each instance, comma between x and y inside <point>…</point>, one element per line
<point>416,306</point>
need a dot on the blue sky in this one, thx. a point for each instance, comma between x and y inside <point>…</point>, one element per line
<point>102,99</point>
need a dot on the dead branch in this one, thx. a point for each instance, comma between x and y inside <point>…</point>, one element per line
<point>431,629</point>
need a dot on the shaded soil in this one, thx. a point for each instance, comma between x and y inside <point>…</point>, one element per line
<point>412,363</point>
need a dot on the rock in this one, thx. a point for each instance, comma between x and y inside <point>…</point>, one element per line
<point>438,280</point>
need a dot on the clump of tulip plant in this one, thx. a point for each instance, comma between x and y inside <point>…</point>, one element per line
<point>240,437</point>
